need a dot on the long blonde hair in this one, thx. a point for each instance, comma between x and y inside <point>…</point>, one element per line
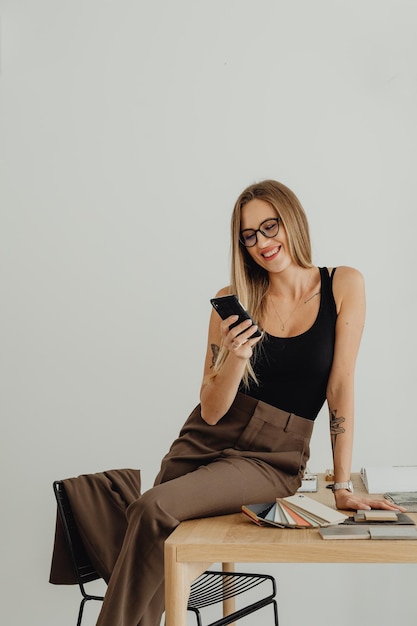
<point>249,281</point>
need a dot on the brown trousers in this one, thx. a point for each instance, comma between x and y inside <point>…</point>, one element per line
<point>254,454</point>
<point>99,503</point>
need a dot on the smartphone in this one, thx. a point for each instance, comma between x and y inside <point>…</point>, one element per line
<point>231,305</point>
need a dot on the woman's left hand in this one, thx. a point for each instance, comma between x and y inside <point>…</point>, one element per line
<point>346,500</point>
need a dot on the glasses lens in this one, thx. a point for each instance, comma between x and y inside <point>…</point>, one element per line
<point>248,238</point>
<point>269,228</point>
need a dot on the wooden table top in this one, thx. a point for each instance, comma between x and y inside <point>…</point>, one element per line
<point>235,539</point>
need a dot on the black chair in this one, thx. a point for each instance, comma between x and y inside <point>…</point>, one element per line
<point>83,568</point>
<point>211,588</point>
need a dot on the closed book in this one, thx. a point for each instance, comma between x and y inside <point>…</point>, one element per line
<point>393,532</point>
<point>375,515</point>
<point>344,532</point>
<point>401,518</point>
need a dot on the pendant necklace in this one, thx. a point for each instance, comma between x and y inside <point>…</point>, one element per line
<point>283,322</point>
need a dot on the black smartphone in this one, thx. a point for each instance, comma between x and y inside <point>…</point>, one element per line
<point>231,305</point>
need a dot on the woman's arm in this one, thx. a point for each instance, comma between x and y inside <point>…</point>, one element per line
<point>349,293</point>
<point>219,391</point>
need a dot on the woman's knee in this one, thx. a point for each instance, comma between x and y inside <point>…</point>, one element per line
<point>153,510</point>
<point>143,507</point>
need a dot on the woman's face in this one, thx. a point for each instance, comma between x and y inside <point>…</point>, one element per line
<point>271,253</point>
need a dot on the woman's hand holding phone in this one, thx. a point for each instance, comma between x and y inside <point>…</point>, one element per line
<point>238,330</point>
<point>239,339</point>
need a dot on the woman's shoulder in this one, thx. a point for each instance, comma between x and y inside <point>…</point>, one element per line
<point>224,291</point>
<point>348,285</point>
<point>343,274</point>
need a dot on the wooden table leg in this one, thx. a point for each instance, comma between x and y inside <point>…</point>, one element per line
<point>178,579</point>
<point>229,605</point>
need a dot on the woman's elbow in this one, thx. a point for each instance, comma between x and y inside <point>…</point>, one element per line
<point>208,416</point>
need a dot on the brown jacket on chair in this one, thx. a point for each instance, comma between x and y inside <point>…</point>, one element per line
<point>98,502</point>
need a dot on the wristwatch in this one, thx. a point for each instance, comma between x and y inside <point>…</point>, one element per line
<point>346,485</point>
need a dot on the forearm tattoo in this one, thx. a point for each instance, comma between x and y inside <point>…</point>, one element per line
<point>215,353</point>
<point>336,427</point>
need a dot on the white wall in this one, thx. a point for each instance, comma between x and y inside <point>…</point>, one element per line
<point>127,131</point>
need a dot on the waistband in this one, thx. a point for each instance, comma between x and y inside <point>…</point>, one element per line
<point>289,422</point>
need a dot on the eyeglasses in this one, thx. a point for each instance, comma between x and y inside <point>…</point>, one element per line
<point>269,228</point>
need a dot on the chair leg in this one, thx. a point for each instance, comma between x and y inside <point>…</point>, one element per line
<point>80,612</point>
<point>82,604</point>
<point>275,612</point>
<point>197,615</point>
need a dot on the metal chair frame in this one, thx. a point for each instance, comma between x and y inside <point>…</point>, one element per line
<point>211,588</point>
<point>84,570</point>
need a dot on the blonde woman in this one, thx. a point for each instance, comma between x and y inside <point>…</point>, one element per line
<point>248,439</point>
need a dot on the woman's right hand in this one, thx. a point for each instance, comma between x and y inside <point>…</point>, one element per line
<point>238,340</point>
<point>219,391</point>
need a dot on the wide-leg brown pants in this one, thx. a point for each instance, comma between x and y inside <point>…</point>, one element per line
<point>254,454</point>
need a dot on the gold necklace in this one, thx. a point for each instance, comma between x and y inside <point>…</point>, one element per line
<point>303,295</point>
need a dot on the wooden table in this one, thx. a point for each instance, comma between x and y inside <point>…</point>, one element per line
<point>229,539</point>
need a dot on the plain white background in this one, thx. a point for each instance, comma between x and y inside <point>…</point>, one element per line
<point>127,130</point>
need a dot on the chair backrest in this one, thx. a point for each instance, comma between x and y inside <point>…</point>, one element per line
<point>83,567</point>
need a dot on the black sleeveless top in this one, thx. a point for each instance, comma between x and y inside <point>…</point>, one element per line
<point>292,372</point>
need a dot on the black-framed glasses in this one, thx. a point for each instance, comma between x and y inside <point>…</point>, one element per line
<point>269,228</point>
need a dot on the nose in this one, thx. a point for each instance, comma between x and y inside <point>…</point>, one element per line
<point>261,239</point>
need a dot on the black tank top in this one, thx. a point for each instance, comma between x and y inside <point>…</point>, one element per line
<point>292,372</point>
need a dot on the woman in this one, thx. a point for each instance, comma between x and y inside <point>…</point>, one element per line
<point>248,439</point>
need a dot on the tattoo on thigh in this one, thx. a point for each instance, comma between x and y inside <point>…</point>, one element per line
<point>336,427</point>
<point>215,349</point>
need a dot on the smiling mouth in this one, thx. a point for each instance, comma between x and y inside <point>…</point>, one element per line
<point>272,252</point>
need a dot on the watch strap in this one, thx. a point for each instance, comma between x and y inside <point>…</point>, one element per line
<point>343,485</point>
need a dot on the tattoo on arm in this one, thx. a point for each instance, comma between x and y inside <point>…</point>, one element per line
<point>215,353</point>
<point>336,427</point>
